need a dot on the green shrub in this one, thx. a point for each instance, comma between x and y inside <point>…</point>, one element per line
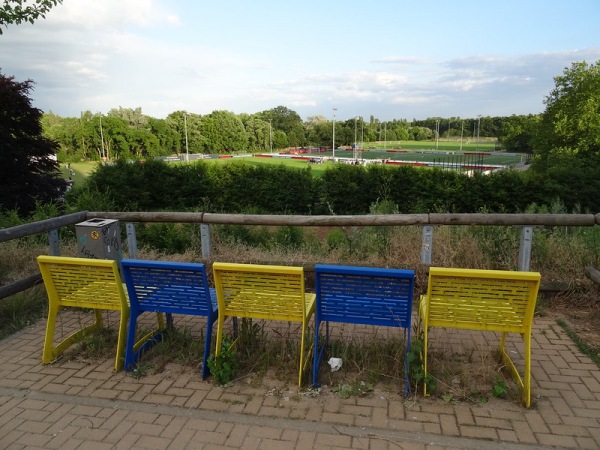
<point>337,239</point>
<point>289,238</point>
<point>168,238</point>
<point>224,367</point>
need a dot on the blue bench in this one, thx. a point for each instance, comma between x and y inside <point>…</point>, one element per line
<point>171,288</point>
<point>362,295</point>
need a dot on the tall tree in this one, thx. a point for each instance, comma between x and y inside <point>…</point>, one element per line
<point>259,133</point>
<point>570,124</point>
<point>224,132</point>
<point>519,132</point>
<point>133,117</point>
<point>283,119</point>
<point>28,167</point>
<point>167,137</point>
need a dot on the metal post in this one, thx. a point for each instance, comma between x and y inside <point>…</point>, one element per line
<point>270,136</point>
<point>525,248</point>
<point>333,143</point>
<point>205,242</point>
<point>54,243</point>
<point>101,139</point>
<point>131,240</point>
<point>478,127</point>
<point>187,148</point>
<point>427,244</point>
<point>355,147</point>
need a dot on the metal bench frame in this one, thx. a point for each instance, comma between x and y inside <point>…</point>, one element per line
<point>491,300</point>
<point>362,295</point>
<point>171,288</point>
<point>263,292</point>
<point>83,283</point>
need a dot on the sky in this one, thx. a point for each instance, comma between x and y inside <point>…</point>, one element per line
<point>391,59</point>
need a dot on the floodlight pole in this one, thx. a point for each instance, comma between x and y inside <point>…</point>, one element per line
<point>187,149</point>
<point>101,138</point>
<point>333,143</point>
<point>270,136</point>
<point>478,126</point>
<point>362,132</point>
<point>355,148</point>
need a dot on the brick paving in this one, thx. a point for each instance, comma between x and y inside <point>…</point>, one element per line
<point>82,404</point>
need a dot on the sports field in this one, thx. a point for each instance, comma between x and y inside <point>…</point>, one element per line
<point>447,155</point>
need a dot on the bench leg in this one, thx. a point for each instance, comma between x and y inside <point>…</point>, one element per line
<point>423,312</point>
<point>207,344</point>
<point>527,374</point>
<point>220,324</point>
<point>425,346</point>
<point>134,350</point>
<point>406,364</point>
<point>319,351</point>
<point>52,352</point>
<point>120,358</point>
<point>524,382</point>
<point>301,368</point>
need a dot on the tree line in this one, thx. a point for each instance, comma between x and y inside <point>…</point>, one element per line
<point>128,133</point>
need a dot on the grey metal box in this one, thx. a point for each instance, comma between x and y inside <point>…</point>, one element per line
<point>99,239</point>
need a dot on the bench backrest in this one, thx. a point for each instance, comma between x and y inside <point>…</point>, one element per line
<point>361,295</point>
<point>260,291</point>
<point>83,282</point>
<point>169,287</point>
<point>496,300</point>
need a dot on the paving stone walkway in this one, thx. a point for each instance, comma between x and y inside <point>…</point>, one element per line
<point>86,405</point>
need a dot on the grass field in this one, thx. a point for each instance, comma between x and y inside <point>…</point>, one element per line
<point>486,145</point>
<point>81,170</point>
<point>417,151</point>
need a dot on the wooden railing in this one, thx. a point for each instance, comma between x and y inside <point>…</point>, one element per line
<point>205,220</point>
<point>593,274</point>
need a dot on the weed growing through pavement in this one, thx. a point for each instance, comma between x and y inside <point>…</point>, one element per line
<point>500,389</point>
<point>469,373</point>
<point>96,344</point>
<point>355,389</point>
<point>141,370</point>
<point>416,376</point>
<point>224,366</point>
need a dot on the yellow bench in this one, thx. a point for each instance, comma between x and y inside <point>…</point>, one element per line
<point>492,300</point>
<point>84,283</point>
<point>263,292</point>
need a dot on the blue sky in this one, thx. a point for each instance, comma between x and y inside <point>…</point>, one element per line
<point>390,59</point>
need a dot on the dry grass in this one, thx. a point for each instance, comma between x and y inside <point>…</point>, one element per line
<point>463,373</point>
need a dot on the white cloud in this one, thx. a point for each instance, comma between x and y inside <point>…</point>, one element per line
<point>110,14</point>
<point>97,55</point>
